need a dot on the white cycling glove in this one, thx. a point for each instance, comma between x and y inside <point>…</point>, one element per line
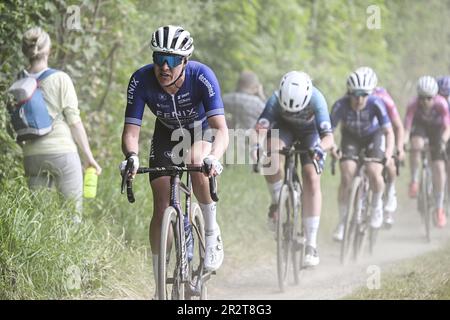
<point>212,163</point>
<point>123,164</point>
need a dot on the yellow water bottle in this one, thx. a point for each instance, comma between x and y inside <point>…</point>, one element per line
<point>90,183</point>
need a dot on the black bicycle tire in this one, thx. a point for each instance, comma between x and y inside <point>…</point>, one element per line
<point>283,246</point>
<point>198,232</point>
<point>426,204</point>
<point>298,250</point>
<point>349,223</point>
<point>364,230</point>
<point>169,221</point>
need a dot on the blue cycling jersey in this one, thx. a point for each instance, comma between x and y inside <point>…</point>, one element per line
<point>361,123</point>
<point>198,98</point>
<point>314,116</point>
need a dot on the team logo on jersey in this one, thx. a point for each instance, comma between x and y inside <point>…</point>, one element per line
<point>162,97</point>
<point>208,85</point>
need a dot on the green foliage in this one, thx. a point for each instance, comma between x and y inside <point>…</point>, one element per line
<point>44,253</point>
<point>325,38</point>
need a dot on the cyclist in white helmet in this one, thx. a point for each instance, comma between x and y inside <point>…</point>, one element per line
<point>427,116</point>
<point>365,125</point>
<point>299,113</point>
<point>186,99</point>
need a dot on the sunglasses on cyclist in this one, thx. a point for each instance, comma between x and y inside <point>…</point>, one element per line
<point>172,60</point>
<point>359,93</point>
<point>425,98</point>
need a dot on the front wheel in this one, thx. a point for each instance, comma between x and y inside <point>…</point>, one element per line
<point>298,245</point>
<point>197,282</point>
<point>170,284</point>
<point>283,235</point>
<point>425,196</point>
<point>350,221</point>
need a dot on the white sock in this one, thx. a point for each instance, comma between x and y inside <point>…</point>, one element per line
<point>342,212</point>
<point>390,189</point>
<point>311,229</point>
<point>155,259</point>
<point>209,215</point>
<point>377,199</point>
<point>274,189</point>
<point>439,196</point>
<point>415,174</point>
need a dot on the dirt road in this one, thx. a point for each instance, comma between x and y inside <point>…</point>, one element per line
<point>330,280</point>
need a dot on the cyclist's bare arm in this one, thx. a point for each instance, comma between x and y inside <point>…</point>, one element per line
<point>327,141</point>
<point>399,134</point>
<point>390,141</point>
<point>446,133</point>
<point>130,138</point>
<point>221,139</point>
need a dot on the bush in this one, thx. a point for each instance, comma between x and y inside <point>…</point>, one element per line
<point>45,254</point>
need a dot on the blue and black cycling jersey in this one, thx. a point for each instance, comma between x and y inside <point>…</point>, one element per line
<point>364,122</point>
<point>198,98</point>
<point>314,117</point>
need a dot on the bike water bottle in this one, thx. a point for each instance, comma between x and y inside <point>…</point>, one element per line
<point>90,183</point>
<point>189,238</point>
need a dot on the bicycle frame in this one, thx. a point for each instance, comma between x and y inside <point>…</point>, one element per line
<point>176,188</point>
<point>358,217</point>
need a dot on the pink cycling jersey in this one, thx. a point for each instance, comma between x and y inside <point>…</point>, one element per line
<point>437,116</point>
<point>391,108</point>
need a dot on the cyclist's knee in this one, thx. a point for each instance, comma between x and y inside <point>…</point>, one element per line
<point>158,209</point>
<point>417,143</point>
<point>311,178</point>
<point>346,178</point>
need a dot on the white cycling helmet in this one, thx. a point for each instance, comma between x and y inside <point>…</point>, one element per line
<point>295,91</point>
<point>173,40</point>
<point>427,86</point>
<point>363,79</point>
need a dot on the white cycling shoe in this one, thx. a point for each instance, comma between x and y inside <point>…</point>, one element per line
<point>376,217</point>
<point>311,257</point>
<point>391,203</point>
<point>214,250</point>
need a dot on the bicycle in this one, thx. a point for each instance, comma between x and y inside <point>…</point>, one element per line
<point>357,219</point>
<point>290,233</point>
<point>425,196</point>
<point>179,278</point>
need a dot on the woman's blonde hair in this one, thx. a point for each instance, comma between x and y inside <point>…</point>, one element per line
<point>36,43</point>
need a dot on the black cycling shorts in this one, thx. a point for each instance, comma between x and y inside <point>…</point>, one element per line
<point>432,134</point>
<point>374,145</point>
<point>307,139</point>
<point>165,152</point>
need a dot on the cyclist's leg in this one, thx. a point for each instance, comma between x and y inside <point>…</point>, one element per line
<point>276,140</point>
<point>439,176</point>
<point>312,199</point>
<point>376,149</point>
<point>200,184</point>
<point>417,145</point>
<point>391,195</point>
<point>350,147</point>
